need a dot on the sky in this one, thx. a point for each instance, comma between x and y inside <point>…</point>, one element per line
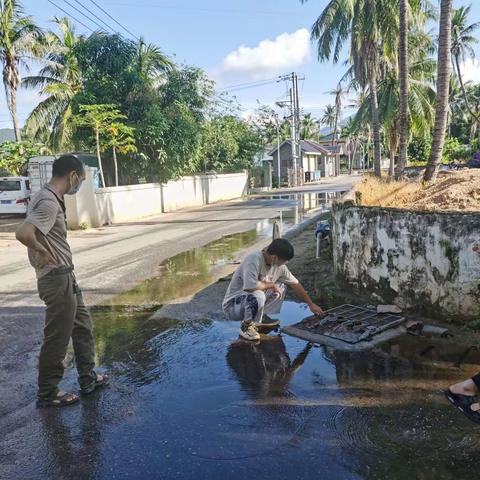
<point>236,42</point>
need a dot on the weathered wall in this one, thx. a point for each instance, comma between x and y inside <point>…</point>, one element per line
<point>429,262</point>
<point>95,208</point>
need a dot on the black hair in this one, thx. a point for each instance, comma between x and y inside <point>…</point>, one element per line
<point>281,248</point>
<point>66,164</point>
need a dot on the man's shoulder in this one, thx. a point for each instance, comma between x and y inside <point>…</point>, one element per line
<point>254,257</point>
<point>43,194</point>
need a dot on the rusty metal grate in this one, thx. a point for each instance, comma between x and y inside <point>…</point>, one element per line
<point>350,324</point>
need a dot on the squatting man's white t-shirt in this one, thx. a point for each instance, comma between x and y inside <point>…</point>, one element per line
<point>254,270</point>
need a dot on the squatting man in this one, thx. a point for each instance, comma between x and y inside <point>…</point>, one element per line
<point>258,287</point>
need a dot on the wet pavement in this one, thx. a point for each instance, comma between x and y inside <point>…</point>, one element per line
<point>189,400</point>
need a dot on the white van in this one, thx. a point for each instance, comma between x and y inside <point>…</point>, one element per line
<point>14,195</point>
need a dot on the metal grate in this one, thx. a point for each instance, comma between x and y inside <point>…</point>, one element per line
<point>350,324</point>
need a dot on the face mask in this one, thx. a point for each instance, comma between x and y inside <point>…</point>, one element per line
<point>74,189</point>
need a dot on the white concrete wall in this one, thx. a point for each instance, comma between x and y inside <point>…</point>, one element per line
<point>426,261</point>
<point>202,189</point>
<point>119,204</point>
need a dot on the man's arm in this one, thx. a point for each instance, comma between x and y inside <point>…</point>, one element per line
<point>26,234</point>
<point>302,294</point>
<point>264,286</point>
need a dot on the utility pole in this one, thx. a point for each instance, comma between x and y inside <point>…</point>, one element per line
<point>294,106</point>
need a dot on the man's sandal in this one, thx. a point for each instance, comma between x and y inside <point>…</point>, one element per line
<point>464,404</point>
<point>99,381</point>
<point>62,399</point>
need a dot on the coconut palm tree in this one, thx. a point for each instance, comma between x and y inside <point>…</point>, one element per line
<point>60,80</point>
<point>463,41</point>
<point>371,26</point>
<point>443,88</point>
<point>150,61</point>
<point>328,116</point>
<point>20,40</point>
<point>403,68</point>
<point>338,93</point>
<point>421,76</point>
<point>308,127</point>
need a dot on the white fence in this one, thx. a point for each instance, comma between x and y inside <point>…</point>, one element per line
<point>119,204</point>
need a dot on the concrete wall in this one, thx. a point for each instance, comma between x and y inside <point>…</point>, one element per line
<point>202,190</point>
<point>429,262</point>
<point>118,204</point>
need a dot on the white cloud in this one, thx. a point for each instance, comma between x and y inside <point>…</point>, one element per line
<point>269,57</point>
<point>470,70</point>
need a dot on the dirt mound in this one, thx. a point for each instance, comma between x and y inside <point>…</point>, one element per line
<point>453,191</point>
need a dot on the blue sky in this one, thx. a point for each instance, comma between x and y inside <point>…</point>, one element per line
<point>235,42</point>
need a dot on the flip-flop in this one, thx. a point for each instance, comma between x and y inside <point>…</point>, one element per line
<point>58,401</point>
<point>464,404</point>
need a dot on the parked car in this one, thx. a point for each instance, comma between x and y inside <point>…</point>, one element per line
<point>14,195</point>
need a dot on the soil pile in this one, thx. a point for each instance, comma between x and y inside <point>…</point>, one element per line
<point>453,191</point>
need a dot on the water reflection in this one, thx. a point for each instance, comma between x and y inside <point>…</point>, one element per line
<point>264,368</point>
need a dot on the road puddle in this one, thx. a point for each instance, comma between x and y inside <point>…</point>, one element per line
<point>189,400</point>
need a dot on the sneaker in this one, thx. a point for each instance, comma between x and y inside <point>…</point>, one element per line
<point>269,322</point>
<point>248,331</point>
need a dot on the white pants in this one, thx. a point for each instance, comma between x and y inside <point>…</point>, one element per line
<point>250,306</point>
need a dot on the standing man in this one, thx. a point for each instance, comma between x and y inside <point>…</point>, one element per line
<point>44,233</point>
<point>259,286</point>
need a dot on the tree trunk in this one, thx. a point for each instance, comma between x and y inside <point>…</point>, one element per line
<point>443,88</point>
<point>377,149</point>
<point>11,97</point>
<point>403,66</point>
<point>464,92</point>
<point>114,151</point>
<point>99,158</point>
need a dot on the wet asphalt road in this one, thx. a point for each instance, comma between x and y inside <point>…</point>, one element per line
<point>188,400</point>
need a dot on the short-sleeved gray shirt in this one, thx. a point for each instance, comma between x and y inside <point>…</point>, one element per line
<point>46,213</point>
<point>253,270</point>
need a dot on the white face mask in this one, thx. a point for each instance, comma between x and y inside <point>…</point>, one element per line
<point>74,189</point>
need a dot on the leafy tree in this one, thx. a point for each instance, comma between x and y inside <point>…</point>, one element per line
<point>120,138</point>
<point>98,118</point>
<point>14,155</point>
<point>20,38</point>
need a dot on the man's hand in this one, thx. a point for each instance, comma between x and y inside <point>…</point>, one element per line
<point>316,310</point>
<point>44,258</point>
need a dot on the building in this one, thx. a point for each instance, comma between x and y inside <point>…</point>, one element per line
<point>316,160</point>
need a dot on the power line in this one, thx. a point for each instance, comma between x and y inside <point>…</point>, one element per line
<point>249,83</point>
<point>95,15</point>
<point>86,16</point>
<point>71,16</point>
<point>201,9</point>
<point>118,23</point>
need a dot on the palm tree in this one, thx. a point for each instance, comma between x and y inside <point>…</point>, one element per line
<point>463,40</point>
<point>150,61</point>
<point>372,28</point>
<point>339,93</point>
<point>403,68</point>
<point>328,116</point>
<point>421,96</point>
<point>443,87</point>
<point>60,80</point>
<point>307,131</point>
<point>20,40</point>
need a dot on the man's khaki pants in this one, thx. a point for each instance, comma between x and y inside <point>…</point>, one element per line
<point>66,317</point>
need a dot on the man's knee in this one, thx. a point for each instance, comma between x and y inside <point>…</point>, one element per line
<point>260,297</point>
